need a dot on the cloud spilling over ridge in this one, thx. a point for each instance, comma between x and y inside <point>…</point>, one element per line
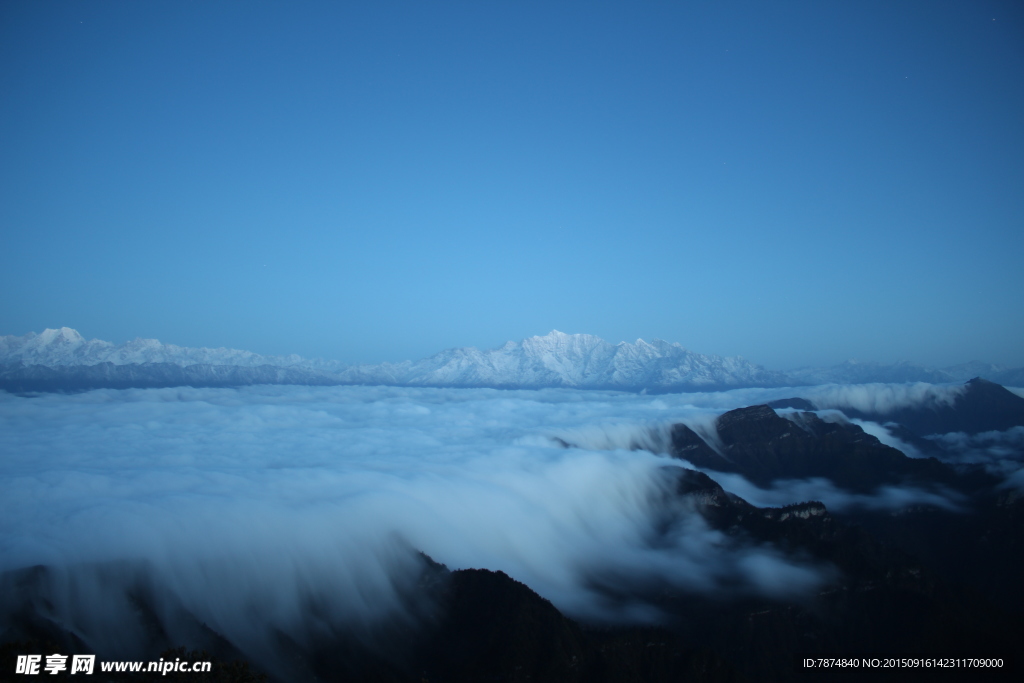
<point>881,399</point>
<point>656,437</point>
<point>886,436</point>
<point>788,491</point>
<point>868,398</point>
<point>879,431</point>
<point>246,504</point>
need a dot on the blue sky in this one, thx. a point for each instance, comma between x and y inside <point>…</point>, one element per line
<point>795,182</point>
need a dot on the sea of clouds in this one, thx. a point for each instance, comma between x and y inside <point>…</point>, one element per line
<point>242,506</point>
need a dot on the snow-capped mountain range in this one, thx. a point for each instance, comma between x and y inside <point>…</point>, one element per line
<point>63,359</point>
<point>556,359</point>
<point>55,348</point>
<point>572,360</point>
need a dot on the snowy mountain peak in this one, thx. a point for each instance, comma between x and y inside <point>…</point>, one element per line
<point>554,338</point>
<point>64,335</point>
<point>62,346</point>
<point>577,360</point>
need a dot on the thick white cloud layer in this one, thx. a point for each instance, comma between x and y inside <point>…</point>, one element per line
<point>257,496</point>
<point>244,503</point>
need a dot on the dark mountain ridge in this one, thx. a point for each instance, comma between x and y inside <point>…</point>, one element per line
<point>983,406</point>
<point>880,598</point>
<point>764,447</point>
<point>978,544</point>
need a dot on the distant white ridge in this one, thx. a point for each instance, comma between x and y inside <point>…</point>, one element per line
<point>580,360</point>
<point>554,360</point>
<point>55,348</point>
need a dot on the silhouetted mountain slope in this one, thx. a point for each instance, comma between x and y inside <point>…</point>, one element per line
<point>878,599</point>
<point>983,406</point>
<point>881,600</point>
<point>496,628</point>
<point>763,447</point>
<point>973,554</point>
<point>482,626</point>
<point>982,547</point>
<point>28,625</point>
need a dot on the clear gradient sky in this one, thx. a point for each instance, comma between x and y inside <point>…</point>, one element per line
<point>796,182</point>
